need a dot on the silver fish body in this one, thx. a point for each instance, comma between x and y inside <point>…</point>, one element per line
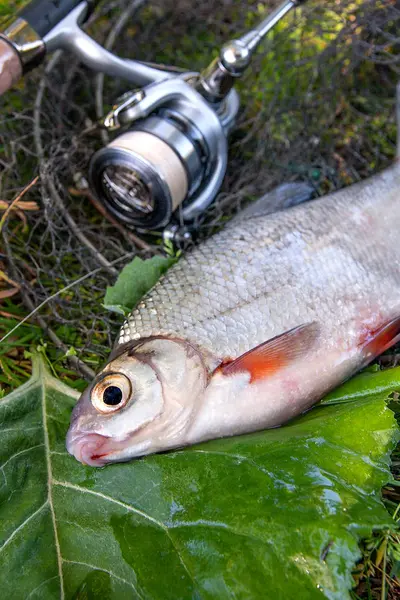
<point>254,325</point>
<point>329,260</point>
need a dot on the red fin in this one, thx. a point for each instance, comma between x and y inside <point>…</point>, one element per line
<point>269,357</point>
<point>381,339</point>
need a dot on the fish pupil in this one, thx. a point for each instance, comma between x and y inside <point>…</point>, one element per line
<point>112,395</point>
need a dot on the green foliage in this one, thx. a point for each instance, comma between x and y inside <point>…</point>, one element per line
<point>16,350</point>
<point>135,279</point>
<point>9,8</point>
<point>14,370</point>
<point>273,514</point>
<point>378,552</point>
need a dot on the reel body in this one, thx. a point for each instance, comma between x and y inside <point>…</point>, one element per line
<point>163,163</point>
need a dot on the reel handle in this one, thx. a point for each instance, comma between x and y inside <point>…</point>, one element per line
<point>218,78</point>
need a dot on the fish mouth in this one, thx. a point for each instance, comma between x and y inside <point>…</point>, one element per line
<point>89,448</point>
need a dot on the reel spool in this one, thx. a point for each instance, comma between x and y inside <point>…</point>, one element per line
<point>145,174</point>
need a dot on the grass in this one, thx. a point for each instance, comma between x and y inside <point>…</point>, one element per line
<point>16,351</point>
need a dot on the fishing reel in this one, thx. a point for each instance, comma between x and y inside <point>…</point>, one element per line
<point>168,156</point>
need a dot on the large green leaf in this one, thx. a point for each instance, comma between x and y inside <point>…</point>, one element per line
<point>276,514</point>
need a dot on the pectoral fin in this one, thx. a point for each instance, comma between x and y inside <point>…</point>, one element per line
<point>271,356</point>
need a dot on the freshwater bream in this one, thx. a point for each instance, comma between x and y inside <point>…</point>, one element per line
<point>252,327</point>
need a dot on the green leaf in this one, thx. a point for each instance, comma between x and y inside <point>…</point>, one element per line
<point>135,279</point>
<point>276,514</point>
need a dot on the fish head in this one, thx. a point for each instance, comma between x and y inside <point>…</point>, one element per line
<point>143,401</point>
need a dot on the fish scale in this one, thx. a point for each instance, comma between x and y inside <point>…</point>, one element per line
<point>263,275</point>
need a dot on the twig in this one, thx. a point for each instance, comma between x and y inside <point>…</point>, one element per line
<point>383,590</point>
<point>75,229</point>
<point>5,277</point>
<point>49,181</point>
<point>163,67</point>
<point>102,210</point>
<point>29,205</point>
<point>74,361</point>
<point>36,309</point>
<point>8,315</point>
<point>16,200</point>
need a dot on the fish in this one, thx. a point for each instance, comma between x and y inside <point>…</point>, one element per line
<point>252,327</point>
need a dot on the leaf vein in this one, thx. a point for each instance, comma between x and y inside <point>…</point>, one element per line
<point>131,509</point>
<point>31,516</point>
<point>19,453</point>
<point>184,565</point>
<point>49,493</point>
<point>217,525</point>
<point>236,456</point>
<point>95,568</point>
<point>72,486</point>
<point>18,429</point>
<point>40,585</point>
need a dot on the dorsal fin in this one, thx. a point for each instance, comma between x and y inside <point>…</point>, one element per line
<point>282,197</point>
<point>276,353</point>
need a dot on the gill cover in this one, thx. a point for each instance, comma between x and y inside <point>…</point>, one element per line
<point>141,402</point>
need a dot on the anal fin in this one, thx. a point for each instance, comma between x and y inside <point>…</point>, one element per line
<point>274,354</point>
<point>381,339</point>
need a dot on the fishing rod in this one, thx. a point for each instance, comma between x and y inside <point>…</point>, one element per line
<point>169,155</point>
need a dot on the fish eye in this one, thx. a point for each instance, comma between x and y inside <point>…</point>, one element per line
<point>111,393</point>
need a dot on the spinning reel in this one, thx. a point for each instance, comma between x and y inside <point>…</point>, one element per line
<point>168,158</point>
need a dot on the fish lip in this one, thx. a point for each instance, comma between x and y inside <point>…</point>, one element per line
<point>88,448</point>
